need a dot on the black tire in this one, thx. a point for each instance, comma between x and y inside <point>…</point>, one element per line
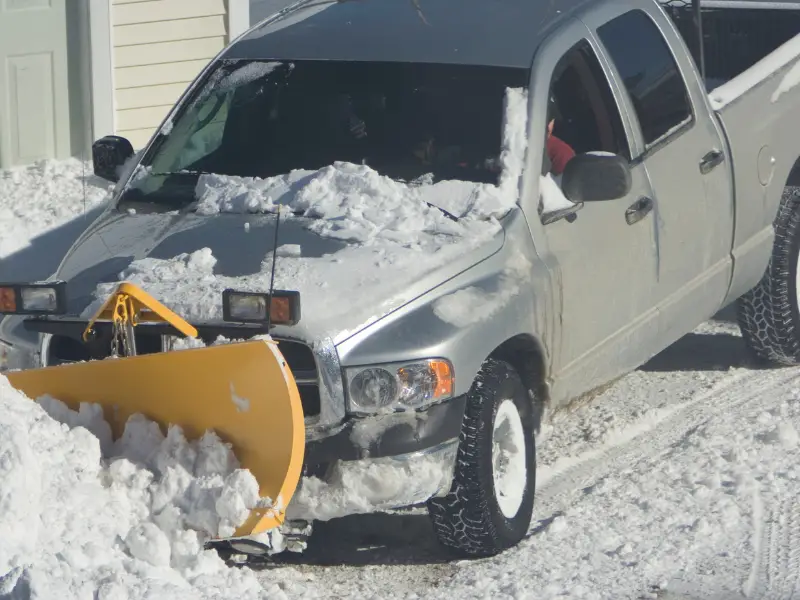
<point>768,315</point>
<point>469,521</point>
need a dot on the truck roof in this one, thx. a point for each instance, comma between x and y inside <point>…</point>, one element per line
<point>737,4</point>
<point>503,33</point>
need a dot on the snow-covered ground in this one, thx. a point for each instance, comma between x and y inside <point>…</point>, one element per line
<point>43,209</point>
<point>676,482</point>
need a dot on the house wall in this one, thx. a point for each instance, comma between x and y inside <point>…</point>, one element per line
<point>159,47</point>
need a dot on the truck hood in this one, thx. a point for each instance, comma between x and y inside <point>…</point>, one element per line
<point>186,260</point>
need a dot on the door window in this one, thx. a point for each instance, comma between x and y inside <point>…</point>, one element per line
<point>649,73</point>
<point>583,115</point>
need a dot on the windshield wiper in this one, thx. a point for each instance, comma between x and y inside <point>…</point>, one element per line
<point>182,172</point>
<point>447,214</point>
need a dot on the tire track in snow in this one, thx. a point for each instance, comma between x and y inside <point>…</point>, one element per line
<point>778,561</point>
<point>662,431</point>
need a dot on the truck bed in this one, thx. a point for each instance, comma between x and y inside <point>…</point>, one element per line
<point>759,111</point>
<point>736,33</point>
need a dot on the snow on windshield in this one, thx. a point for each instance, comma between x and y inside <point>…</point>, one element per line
<point>391,237</point>
<point>344,189</point>
<point>224,80</point>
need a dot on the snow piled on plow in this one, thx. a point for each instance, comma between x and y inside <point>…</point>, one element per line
<point>84,517</point>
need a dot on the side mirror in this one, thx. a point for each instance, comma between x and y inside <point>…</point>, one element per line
<point>595,177</point>
<point>108,156</point>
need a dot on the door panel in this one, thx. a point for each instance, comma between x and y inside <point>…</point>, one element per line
<point>605,268</point>
<point>607,273</point>
<point>34,94</point>
<point>679,137</point>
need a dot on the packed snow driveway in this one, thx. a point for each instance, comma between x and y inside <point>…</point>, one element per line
<point>677,482</point>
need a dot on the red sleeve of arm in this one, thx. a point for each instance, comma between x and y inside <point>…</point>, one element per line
<point>560,154</point>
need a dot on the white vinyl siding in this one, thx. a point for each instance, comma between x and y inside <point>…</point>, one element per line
<point>160,46</point>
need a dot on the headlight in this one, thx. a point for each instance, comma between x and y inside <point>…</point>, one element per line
<point>401,386</point>
<point>282,308</point>
<point>33,298</point>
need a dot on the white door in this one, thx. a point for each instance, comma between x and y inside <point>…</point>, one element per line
<point>34,94</point>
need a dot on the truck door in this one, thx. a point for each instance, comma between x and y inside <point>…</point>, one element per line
<point>605,264</point>
<point>682,149</point>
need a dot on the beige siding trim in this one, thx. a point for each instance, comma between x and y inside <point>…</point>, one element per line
<point>168,52</point>
<point>139,118</point>
<point>137,137</point>
<point>165,10</point>
<point>182,72</point>
<point>151,95</point>
<point>102,68</point>
<point>167,31</point>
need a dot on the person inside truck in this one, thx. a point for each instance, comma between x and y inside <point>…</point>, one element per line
<point>558,152</point>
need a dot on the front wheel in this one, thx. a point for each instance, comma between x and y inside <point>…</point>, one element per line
<point>769,314</point>
<point>490,503</point>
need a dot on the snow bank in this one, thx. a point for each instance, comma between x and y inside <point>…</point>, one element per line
<point>82,516</point>
<point>755,75</point>
<point>40,197</point>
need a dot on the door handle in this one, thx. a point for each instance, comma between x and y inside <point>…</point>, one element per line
<point>710,161</point>
<point>638,210</point>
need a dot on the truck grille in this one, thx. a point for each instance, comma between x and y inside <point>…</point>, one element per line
<point>300,358</point>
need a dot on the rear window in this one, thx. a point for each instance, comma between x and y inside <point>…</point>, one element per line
<point>261,119</point>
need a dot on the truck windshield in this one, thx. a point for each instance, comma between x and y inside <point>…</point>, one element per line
<point>267,118</point>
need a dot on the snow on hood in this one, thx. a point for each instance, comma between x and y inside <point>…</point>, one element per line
<point>384,236</point>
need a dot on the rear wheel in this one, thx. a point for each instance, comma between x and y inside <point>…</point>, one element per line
<point>490,503</point>
<point>769,315</point>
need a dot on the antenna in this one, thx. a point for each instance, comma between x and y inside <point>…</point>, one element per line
<point>272,277</point>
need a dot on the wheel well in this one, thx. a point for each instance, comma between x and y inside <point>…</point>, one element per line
<point>794,175</point>
<point>524,353</point>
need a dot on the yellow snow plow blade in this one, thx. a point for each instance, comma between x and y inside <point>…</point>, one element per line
<point>245,392</point>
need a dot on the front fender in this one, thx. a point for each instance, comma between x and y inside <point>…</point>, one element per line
<point>465,318</point>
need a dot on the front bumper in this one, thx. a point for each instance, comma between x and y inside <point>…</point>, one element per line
<point>387,435</point>
<point>375,484</point>
<point>380,463</point>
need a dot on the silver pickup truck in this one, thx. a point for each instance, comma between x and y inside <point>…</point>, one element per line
<point>644,204</point>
